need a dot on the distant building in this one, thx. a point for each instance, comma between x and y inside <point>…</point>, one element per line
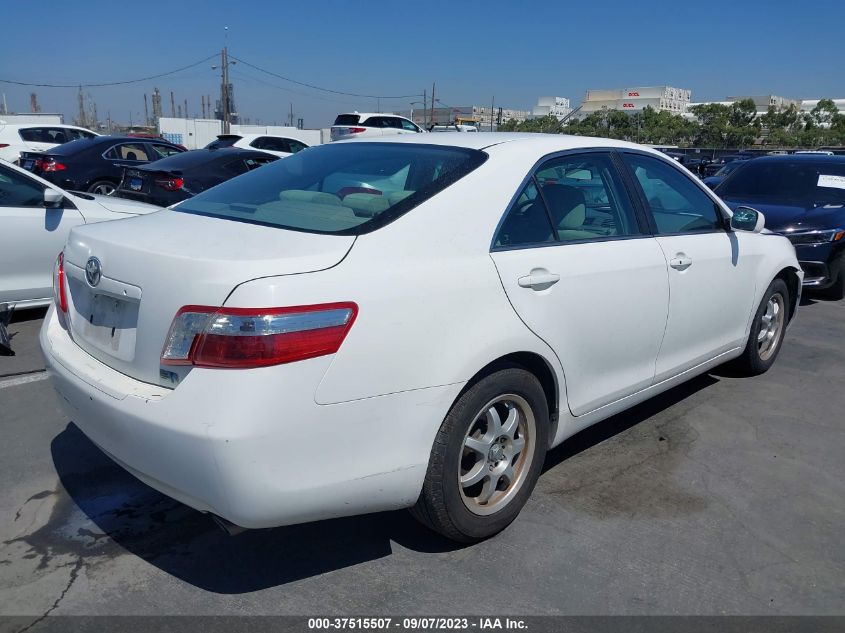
<point>42,118</point>
<point>764,102</point>
<point>555,106</point>
<point>666,98</point>
<point>479,115</point>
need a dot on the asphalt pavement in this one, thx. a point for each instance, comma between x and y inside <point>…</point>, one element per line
<point>723,496</point>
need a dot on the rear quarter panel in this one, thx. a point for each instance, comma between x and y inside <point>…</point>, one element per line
<point>432,310</point>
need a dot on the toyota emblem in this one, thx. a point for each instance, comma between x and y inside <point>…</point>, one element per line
<point>93,271</point>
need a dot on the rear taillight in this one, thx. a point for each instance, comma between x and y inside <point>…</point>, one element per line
<point>240,338</point>
<point>356,130</point>
<point>2,145</point>
<point>59,289</point>
<point>170,184</point>
<point>51,165</point>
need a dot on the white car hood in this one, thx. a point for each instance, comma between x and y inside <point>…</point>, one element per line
<point>123,205</point>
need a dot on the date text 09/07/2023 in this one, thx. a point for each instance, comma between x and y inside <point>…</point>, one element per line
<point>417,623</point>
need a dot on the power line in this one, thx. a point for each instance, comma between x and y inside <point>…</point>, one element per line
<point>111,83</point>
<point>242,75</point>
<point>307,85</point>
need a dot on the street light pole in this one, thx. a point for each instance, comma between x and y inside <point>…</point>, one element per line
<point>225,103</point>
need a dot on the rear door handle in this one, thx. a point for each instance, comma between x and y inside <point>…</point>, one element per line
<point>539,279</point>
<point>680,262</point>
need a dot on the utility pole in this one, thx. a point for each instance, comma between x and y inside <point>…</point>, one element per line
<point>202,101</point>
<point>33,103</point>
<point>172,105</point>
<point>425,109</point>
<point>81,99</point>
<point>146,111</point>
<point>226,109</point>
<point>432,120</point>
<point>291,114</point>
<point>186,109</point>
<point>492,108</point>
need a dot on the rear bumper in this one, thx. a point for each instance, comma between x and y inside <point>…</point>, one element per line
<point>252,445</point>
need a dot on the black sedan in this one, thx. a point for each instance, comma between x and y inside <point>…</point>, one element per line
<point>95,165</point>
<point>717,163</point>
<point>726,170</point>
<point>173,179</point>
<point>803,198</point>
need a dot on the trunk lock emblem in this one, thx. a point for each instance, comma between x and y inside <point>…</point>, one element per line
<point>93,271</point>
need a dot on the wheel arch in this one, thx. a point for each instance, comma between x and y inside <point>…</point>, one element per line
<point>790,276</point>
<point>535,364</point>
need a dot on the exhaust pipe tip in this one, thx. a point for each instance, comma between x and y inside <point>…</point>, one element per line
<point>227,526</point>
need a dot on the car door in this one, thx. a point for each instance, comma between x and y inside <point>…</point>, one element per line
<point>30,237</point>
<point>581,270</point>
<point>711,275</point>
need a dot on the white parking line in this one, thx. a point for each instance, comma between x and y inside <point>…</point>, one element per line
<point>22,380</point>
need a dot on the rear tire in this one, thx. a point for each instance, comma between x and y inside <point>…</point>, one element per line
<point>486,458</point>
<point>767,330</point>
<point>102,187</point>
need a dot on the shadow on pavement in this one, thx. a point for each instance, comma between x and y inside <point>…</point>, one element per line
<point>120,513</point>
<point>623,421</point>
<point>187,544</point>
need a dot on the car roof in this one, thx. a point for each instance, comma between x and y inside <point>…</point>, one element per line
<point>17,126</point>
<point>369,114</point>
<point>80,145</point>
<point>805,158</point>
<point>543,142</point>
<point>205,155</point>
<point>251,137</point>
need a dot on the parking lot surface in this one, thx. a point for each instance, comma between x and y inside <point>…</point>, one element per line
<point>723,496</point>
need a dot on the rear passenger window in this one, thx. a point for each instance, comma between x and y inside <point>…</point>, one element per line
<point>581,199</point>
<point>676,203</point>
<point>34,135</point>
<point>128,151</point>
<point>527,222</point>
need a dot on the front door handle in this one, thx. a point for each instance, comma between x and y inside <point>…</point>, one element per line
<point>680,262</point>
<point>539,279</point>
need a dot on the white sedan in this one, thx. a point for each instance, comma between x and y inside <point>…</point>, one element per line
<point>383,324</point>
<point>35,220</point>
<point>281,146</point>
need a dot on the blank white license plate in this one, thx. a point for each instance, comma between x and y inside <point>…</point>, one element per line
<point>110,325</point>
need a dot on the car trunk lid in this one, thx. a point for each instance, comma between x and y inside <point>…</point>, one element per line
<point>127,279</point>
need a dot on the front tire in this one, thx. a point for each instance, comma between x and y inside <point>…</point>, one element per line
<point>835,292</point>
<point>486,458</point>
<point>102,187</point>
<point>767,331</point>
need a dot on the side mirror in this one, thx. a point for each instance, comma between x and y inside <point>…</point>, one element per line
<point>747,219</point>
<point>52,199</point>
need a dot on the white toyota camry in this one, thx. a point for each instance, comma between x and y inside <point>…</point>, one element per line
<point>373,325</point>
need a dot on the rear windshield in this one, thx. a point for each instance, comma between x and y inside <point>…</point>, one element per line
<point>810,183</point>
<point>223,141</point>
<point>347,119</point>
<point>339,189</point>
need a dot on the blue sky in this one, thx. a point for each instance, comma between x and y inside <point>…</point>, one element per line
<point>515,51</point>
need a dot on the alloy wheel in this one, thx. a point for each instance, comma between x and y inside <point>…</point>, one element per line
<point>496,454</point>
